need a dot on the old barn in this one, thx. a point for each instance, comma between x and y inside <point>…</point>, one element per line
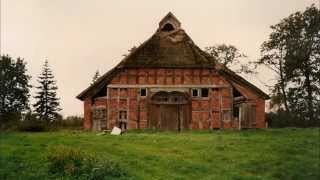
<point>169,83</point>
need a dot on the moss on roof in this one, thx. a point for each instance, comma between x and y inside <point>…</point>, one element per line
<point>173,49</point>
<point>168,50</point>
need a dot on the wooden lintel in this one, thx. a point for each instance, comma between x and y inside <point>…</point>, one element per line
<point>165,86</point>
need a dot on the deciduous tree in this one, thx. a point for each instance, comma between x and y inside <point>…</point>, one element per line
<point>293,52</point>
<point>14,87</point>
<point>231,57</point>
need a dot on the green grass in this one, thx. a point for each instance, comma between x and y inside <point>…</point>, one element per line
<point>248,154</point>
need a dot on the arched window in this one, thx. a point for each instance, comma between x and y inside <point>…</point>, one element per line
<point>167,27</point>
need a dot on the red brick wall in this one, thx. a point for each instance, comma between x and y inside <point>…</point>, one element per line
<point>87,123</point>
<point>259,102</point>
<point>205,111</point>
<point>260,113</point>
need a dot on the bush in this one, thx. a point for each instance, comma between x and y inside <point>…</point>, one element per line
<point>34,126</point>
<point>65,161</point>
<point>283,119</point>
<point>9,121</point>
<point>70,122</point>
<point>30,123</point>
<point>70,162</point>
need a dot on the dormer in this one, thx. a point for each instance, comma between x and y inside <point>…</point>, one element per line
<point>169,23</point>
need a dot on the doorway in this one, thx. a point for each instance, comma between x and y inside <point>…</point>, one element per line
<point>169,111</point>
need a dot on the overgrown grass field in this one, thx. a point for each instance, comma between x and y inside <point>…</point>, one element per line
<point>247,154</point>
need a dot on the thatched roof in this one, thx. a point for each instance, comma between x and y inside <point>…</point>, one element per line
<point>174,50</point>
<point>169,47</point>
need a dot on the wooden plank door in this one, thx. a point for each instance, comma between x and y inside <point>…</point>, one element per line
<point>169,111</point>
<point>248,115</point>
<point>169,117</point>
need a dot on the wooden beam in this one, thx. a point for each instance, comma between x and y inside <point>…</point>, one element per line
<point>164,86</point>
<point>231,96</point>
<point>240,117</point>
<point>108,107</point>
<point>138,109</point>
<point>210,109</point>
<point>221,114</point>
<point>211,100</point>
<point>118,105</point>
<point>128,109</point>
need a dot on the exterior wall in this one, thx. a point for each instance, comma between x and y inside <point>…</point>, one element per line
<point>124,94</point>
<point>259,102</point>
<point>89,105</point>
<point>127,99</point>
<point>260,114</point>
<point>87,124</point>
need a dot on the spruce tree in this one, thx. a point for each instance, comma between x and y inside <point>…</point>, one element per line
<point>47,104</point>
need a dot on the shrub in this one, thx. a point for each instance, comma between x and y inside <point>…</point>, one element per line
<point>9,121</point>
<point>70,122</point>
<point>71,162</point>
<point>34,126</point>
<point>282,119</point>
<point>107,169</point>
<point>30,123</point>
<point>64,160</point>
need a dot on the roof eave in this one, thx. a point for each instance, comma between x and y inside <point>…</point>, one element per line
<point>236,77</point>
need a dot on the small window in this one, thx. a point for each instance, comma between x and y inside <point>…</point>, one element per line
<point>143,92</point>
<point>204,92</point>
<point>195,93</point>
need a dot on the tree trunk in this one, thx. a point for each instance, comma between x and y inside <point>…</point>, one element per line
<point>309,96</point>
<point>283,88</point>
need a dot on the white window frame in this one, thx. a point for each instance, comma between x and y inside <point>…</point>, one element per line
<point>198,92</point>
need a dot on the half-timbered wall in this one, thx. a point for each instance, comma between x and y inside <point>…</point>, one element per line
<point>214,111</point>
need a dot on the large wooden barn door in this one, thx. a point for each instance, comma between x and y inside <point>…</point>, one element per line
<point>248,115</point>
<point>99,118</point>
<point>169,117</point>
<point>169,111</point>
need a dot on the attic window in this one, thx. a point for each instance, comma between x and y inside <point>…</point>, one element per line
<point>167,27</point>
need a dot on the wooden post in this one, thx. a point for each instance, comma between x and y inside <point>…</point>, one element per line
<point>231,97</point>
<point>210,109</point>
<point>221,114</point>
<point>179,119</point>
<point>138,99</point>
<point>118,105</point>
<point>146,107</point>
<point>108,105</point>
<point>211,101</point>
<point>240,117</point>
<point>128,109</point>
<point>138,109</point>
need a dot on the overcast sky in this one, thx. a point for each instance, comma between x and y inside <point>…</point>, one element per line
<point>82,36</point>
